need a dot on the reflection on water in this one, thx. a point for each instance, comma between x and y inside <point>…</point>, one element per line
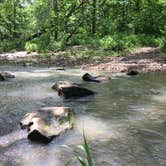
<point>125,122</point>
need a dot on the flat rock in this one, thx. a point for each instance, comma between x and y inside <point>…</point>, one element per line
<point>68,90</point>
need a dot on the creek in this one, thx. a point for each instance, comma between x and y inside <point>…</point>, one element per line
<point>125,122</point>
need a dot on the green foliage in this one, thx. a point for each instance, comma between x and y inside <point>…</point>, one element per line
<point>52,25</point>
<point>44,44</point>
<point>30,47</point>
<point>85,149</point>
<point>163,54</point>
<point>10,45</point>
<point>56,45</point>
<point>146,40</point>
<point>119,41</point>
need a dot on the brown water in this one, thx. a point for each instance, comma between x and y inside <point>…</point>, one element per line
<point>125,122</point>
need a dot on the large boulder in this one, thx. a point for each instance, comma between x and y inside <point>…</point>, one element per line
<point>100,78</point>
<point>5,76</point>
<point>47,123</point>
<point>68,90</point>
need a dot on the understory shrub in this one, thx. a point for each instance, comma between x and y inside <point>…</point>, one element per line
<point>11,45</point>
<point>119,42</point>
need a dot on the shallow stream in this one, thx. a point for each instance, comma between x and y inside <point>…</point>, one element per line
<point>125,122</point>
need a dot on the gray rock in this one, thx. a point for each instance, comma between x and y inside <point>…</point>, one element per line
<point>60,68</point>
<point>132,72</point>
<point>100,78</point>
<point>68,90</point>
<point>47,123</point>
<point>5,76</point>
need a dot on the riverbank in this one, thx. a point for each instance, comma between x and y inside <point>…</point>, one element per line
<point>145,59</point>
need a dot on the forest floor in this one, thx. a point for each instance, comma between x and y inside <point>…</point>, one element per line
<point>145,59</point>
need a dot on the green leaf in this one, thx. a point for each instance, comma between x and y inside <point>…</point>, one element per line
<point>82,161</point>
<point>89,158</point>
<point>69,161</point>
<point>81,147</point>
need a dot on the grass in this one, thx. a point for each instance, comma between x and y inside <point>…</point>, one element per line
<point>84,161</point>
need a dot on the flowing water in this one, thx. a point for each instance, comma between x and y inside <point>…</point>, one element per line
<point>125,122</point>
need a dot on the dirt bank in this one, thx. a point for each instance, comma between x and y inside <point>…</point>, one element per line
<point>144,60</point>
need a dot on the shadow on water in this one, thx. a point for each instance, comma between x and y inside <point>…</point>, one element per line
<point>124,122</point>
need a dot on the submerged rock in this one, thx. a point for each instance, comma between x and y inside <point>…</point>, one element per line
<point>88,77</point>
<point>68,90</point>
<point>5,76</point>
<point>60,68</point>
<point>132,72</point>
<point>47,123</point>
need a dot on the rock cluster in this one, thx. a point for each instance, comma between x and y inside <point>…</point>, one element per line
<point>48,122</point>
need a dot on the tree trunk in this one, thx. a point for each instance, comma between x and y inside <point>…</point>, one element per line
<point>137,5</point>
<point>94,17</point>
<point>14,18</point>
<point>55,7</point>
